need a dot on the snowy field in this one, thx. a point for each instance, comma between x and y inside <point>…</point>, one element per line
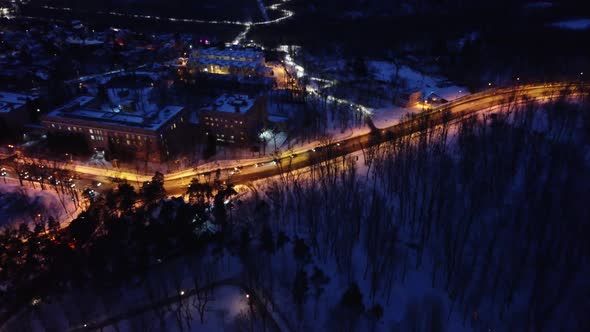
<point>385,71</point>
<point>227,303</point>
<point>414,291</point>
<point>24,205</point>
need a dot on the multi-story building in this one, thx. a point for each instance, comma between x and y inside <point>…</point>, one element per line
<point>15,112</point>
<point>143,135</point>
<point>230,61</point>
<point>234,118</point>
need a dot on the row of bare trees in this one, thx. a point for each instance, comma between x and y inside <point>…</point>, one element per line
<point>491,206</point>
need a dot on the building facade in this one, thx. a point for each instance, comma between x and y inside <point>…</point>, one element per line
<point>15,112</point>
<point>147,136</point>
<point>239,62</point>
<point>234,118</point>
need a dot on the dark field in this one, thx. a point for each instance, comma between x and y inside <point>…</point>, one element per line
<point>234,10</point>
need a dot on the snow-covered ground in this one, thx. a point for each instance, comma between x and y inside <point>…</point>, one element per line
<point>385,71</point>
<point>539,4</point>
<point>227,302</point>
<point>415,290</point>
<point>25,205</point>
<point>389,116</point>
<point>412,79</point>
<point>574,24</point>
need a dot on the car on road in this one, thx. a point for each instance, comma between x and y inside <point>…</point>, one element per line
<point>96,183</point>
<point>90,193</point>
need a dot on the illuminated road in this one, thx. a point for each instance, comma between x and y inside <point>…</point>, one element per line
<point>284,14</point>
<point>255,169</point>
<point>176,182</point>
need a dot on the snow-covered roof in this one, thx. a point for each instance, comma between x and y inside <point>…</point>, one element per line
<point>78,41</point>
<point>10,101</point>
<point>151,120</point>
<point>229,57</point>
<point>246,54</point>
<point>227,63</point>
<point>277,118</point>
<point>232,103</point>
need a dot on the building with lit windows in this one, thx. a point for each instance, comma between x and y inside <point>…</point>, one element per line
<point>147,135</point>
<point>234,118</point>
<point>230,61</point>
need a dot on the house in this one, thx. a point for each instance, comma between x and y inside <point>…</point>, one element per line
<point>435,100</point>
<point>408,98</point>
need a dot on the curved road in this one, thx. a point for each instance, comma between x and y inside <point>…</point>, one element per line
<point>256,169</point>
<point>176,182</point>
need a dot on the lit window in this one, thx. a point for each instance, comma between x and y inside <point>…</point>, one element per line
<point>53,125</point>
<point>90,131</point>
<point>92,137</point>
<point>69,128</point>
<point>128,142</point>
